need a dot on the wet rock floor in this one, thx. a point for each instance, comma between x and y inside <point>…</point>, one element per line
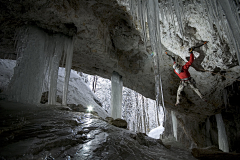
<point>57,132</point>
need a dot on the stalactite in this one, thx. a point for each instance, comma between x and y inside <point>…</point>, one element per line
<point>174,123</point>
<point>177,7</point>
<point>68,50</point>
<point>56,53</point>
<point>234,27</point>
<point>222,136</point>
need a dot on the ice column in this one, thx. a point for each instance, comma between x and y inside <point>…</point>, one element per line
<point>55,48</point>
<point>68,51</point>
<point>174,122</point>
<point>116,95</point>
<point>29,73</point>
<point>222,136</point>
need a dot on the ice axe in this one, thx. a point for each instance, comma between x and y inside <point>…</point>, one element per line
<point>173,58</point>
<point>198,46</point>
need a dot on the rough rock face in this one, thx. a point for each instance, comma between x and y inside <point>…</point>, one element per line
<point>105,40</point>
<point>117,122</point>
<point>55,132</point>
<point>213,152</point>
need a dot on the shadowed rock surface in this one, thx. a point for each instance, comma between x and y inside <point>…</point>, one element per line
<point>211,153</point>
<point>45,132</point>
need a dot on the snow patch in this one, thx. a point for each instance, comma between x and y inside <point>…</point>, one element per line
<point>155,133</point>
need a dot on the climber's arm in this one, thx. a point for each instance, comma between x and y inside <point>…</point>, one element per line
<point>189,63</point>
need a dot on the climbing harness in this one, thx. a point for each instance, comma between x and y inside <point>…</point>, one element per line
<point>186,79</point>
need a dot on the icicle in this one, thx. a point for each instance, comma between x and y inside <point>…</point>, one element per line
<point>179,17</point>
<point>205,6</point>
<point>133,5</point>
<point>143,21</point>
<point>235,11</point>
<point>68,50</point>
<point>174,123</point>
<point>215,18</point>
<point>233,25</point>
<point>222,136</point>
<point>161,12</point>
<point>155,39</point>
<point>54,66</point>
<point>170,7</point>
<point>225,26</point>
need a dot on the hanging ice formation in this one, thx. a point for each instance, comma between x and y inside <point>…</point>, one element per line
<point>222,136</point>
<point>37,52</point>
<point>58,44</point>
<point>224,14</point>
<point>174,123</point>
<point>178,9</point>
<point>149,11</point>
<point>116,95</point>
<point>68,52</point>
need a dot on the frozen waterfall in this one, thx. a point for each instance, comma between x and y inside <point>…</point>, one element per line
<point>39,53</point>
<point>116,95</point>
<point>29,73</point>
<point>222,136</point>
<point>174,123</point>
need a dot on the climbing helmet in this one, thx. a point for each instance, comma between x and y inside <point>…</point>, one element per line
<point>177,68</point>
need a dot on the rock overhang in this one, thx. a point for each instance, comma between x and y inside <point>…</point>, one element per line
<point>105,40</point>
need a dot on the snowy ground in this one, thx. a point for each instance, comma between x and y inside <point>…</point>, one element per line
<point>155,133</point>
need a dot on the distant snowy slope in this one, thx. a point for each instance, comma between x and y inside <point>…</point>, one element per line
<point>79,92</point>
<point>6,72</point>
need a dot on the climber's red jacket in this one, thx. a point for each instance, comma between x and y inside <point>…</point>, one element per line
<point>185,74</point>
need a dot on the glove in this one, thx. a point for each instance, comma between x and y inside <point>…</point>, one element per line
<point>191,49</point>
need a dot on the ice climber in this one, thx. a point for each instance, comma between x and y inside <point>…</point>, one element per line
<point>186,79</point>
